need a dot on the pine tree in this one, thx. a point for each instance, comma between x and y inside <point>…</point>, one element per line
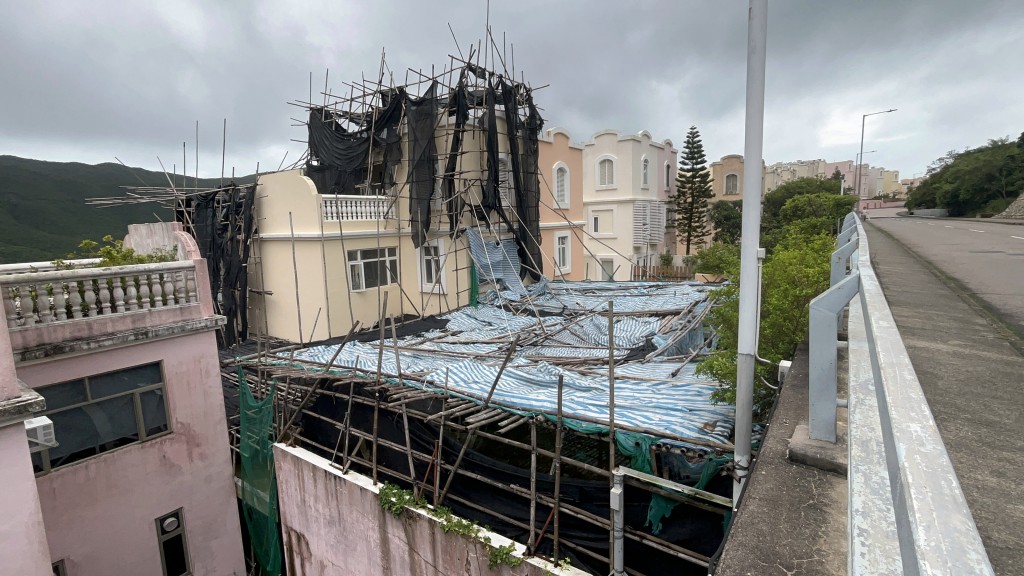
<point>693,189</point>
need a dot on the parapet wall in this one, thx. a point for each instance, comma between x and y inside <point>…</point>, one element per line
<point>334,524</point>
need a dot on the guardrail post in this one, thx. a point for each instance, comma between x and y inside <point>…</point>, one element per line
<point>839,259</point>
<point>824,325</point>
<point>846,235</point>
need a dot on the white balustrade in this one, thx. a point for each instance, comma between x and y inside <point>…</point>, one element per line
<point>346,208</point>
<point>34,298</point>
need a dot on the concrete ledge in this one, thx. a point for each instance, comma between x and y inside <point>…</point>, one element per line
<point>818,454</point>
<point>117,339</point>
<point>21,407</point>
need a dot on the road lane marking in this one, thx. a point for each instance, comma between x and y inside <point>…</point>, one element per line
<point>1017,237</point>
<point>946,226</point>
<point>931,224</point>
<point>973,230</point>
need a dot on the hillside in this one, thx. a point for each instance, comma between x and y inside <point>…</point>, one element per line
<point>43,214</point>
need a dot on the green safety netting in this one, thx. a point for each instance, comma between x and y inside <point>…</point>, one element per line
<point>259,485</point>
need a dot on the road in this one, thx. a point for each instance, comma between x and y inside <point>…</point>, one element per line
<point>970,367</point>
<point>985,258</point>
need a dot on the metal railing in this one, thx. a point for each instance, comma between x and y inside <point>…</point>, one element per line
<point>907,513</point>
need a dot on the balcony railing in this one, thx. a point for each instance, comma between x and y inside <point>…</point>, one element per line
<point>907,513</point>
<point>347,208</point>
<point>37,298</point>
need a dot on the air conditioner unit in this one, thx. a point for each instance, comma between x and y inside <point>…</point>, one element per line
<point>40,434</point>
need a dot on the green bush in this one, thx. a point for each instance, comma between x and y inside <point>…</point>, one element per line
<point>793,274</point>
<point>113,253</point>
<point>719,258</point>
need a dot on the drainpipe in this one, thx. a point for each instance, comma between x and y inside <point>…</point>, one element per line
<point>757,32</point>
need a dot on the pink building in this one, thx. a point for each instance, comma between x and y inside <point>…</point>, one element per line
<point>139,479</point>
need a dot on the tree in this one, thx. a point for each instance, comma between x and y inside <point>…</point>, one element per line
<point>726,219</point>
<point>693,189</point>
<point>982,181</point>
<point>836,175</point>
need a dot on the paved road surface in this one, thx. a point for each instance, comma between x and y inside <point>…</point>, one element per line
<point>986,258</point>
<point>971,369</point>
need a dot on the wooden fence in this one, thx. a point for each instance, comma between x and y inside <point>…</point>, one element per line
<point>661,273</point>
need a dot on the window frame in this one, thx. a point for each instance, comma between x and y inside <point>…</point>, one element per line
<point>645,170</point>
<point>668,177</point>
<point>563,267</point>
<point>610,182</point>
<point>135,393</point>
<point>161,537</point>
<point>725,187</point>
<point>436,244</point>
<point>564,202</point>
<point>390,255</point>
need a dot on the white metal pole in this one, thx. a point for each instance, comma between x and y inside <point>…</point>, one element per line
<point>757,34</point>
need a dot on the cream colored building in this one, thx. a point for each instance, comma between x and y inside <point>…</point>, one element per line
<point>562,216</point>
<point>321,262</point>
<point>627,180</point>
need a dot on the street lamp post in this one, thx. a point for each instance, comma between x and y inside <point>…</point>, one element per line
<point>863,119</point>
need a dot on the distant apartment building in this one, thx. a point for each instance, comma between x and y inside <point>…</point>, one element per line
<point>779,173</point>
<point>562,215</point>
<point>122,362</point>
<point>627,180</point>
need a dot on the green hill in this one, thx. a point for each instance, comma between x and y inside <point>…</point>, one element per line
<point>43,214</point>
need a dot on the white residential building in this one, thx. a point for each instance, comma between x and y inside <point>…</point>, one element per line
<point>627,180</point>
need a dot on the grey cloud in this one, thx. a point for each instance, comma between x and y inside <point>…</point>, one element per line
<point>91,81</point>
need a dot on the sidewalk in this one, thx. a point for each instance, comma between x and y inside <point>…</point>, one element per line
<point>974,382</point>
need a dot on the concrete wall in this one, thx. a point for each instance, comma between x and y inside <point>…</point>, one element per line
<point>22,535</point>
<point>348,532</point>
<point>99,513</point>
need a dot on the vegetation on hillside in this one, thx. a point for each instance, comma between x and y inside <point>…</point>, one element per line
<point>798,226</point>
<point>979,182</point>
<point>43,214</point>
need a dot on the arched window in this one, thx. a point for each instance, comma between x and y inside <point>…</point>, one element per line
<point>668,177</point>
<point>561,186</point>
<point>606,172</point>
<point>732,184</point>
<point>644,171</point>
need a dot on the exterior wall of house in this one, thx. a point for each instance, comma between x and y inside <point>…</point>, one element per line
<point>23,544</point>
<point>569,220</point>
<point>349,532</point>
<point>100,512</point>
<point>322,229</point>
<point>611,247</point>
<point>727,166</point>
<point>22,534</point>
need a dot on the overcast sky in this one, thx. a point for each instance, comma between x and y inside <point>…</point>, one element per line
<point>88,81</point>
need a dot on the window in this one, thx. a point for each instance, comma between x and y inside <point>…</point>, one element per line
<point>607,269</point>
<point>603,222</point>
<point>606,172</point>
<point>563,253</point>
<point>432,266</point>
<point>668,176</point>
<point>561,186</point>
<point>372,267</point>
<point>644,171</point>
<point>732,184</point>
<point>170,533</point>
<point>99,413</point>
